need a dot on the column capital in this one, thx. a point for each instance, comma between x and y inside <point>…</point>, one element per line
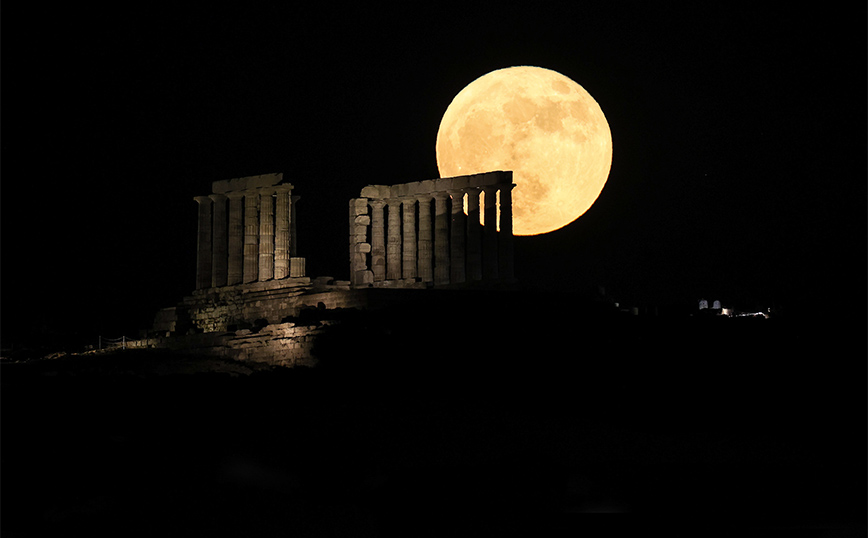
<point>203,199</point>
<point>283,187</point>
<point>377,203</point>
<point>217,197</point>
<point>235,195</point>
<point>265,191</point>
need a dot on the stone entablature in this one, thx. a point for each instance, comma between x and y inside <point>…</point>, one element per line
<point>419,234</point>
<point>247,232</point>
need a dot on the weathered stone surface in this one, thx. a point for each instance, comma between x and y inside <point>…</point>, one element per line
<point>359,206</point>
<point>461,249</point>
<point>297,267</point>
<point>376,191</point>
<point>245,183</point>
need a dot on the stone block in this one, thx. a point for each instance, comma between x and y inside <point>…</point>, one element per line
<point>245,183</point>
<point>362,247</point>
<point>364,277</point>
<point>376,191</point>
<point>296,267</point>
<point>362,220</point>
<point>358,206</point>
<point>443,184</point>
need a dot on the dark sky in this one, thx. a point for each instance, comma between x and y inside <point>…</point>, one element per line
<point>739,133</point>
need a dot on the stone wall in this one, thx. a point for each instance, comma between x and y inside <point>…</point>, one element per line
<point>283,344</point>
<point>245,306</point>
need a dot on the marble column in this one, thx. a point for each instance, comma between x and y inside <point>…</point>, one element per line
<point>378,240</point>
<point>251,236</point>
<point>282,218</point>
<point>489,233</point>
<point>424,268</point>
<point>474,235</point>
<point>266,234</point>
<point>408,249</point>
<point>505,243</point>
<point>393,241</point>
<point>203,246</point>
<point>457,272</point>
<point>219,246</point>
<point>293,229</point>
<point>441,238</point>
<point>235,244</point>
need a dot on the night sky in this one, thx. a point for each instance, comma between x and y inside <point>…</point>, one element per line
<point>739,133</point>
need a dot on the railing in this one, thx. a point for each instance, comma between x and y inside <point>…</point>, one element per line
<point>107,343</point>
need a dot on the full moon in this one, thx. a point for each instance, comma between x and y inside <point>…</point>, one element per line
<point>541,125</point>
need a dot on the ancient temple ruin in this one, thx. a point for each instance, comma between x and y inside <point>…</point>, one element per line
<point>442,232</point>
<point>251,288</point>
<point>254,240</point>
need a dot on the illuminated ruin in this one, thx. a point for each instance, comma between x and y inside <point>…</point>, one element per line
<point>251,287</point>
<point>419,234</point>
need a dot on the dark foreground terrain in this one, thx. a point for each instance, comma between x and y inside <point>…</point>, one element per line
<point>497,426</point>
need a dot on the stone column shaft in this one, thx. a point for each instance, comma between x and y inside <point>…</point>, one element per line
<point>219,255</point>
<point>251,237</point>
<point>505,243</point>
<point>474,236</point>
<point>425,251</point>
<point>409,247</point>
<point>457,241</point>
<point>282,218</point>
<point>393,241</point>
<point>203,246</point>
<point>441,238</point>
<point>489,234</point>
<point>266,234</point>
<point>293,229</point>
<point>378,240</point>
<point>235,243</point>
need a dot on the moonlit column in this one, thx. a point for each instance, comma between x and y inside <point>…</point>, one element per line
<point>489,233</point>
<point>408,258</point>
<point>441,238</point>
<point>282,219</point>
<point>474,235</point>
<point>393,241</point>
<point>203,246</point>
<point>266,234</point>
<point>505,246</point>
<point>251,236</point>
<point>457,239</point>
<point>219,246</point>
<point>378,240</point>
<point>235,243</point>
<point>424,257</point>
